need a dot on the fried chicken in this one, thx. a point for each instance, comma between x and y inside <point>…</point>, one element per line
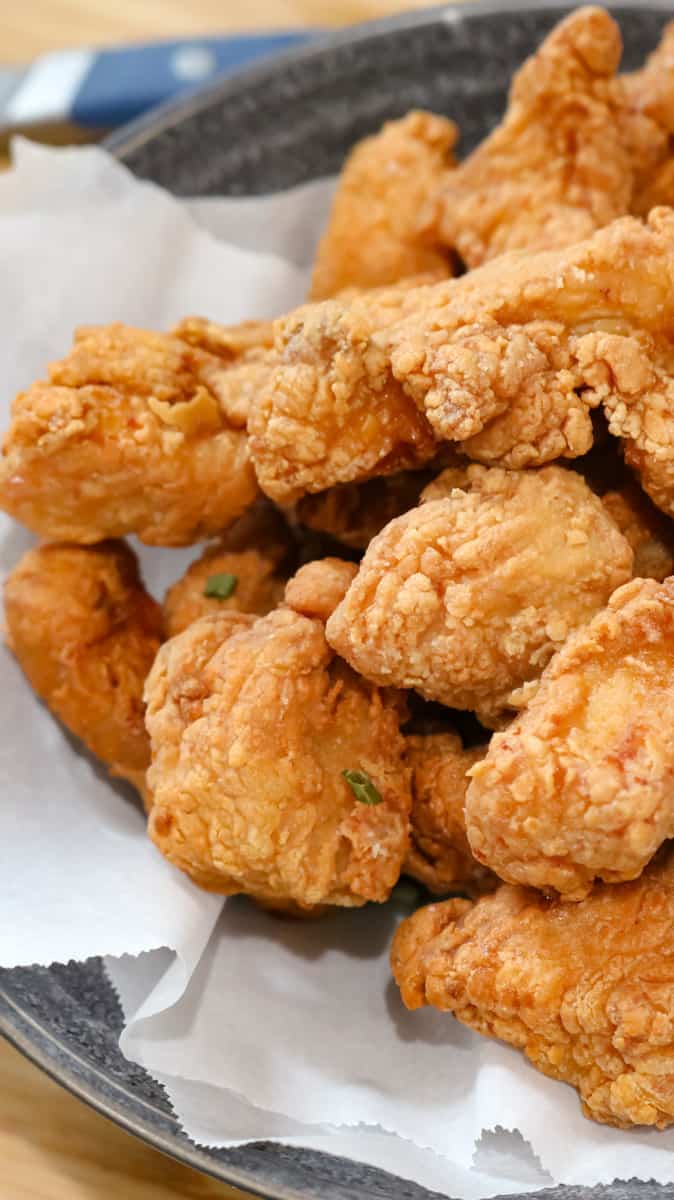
<point>247,353</point>
<point>509,361</point>
<point>127,436</point>
<point>581,785</point>
<point>319,586</point>
<point>380,226</point>
<point>354,512</point>
<point>557,167</point>
<point>254,557</point>
<point>648,531</point>
<point>439,855</point>
<point>85,633</point>
<point>331,411</point>
<point>585,990</point>
<point>467,597</point>
<point>251,737</point>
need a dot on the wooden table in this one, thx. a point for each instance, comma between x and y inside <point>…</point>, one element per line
<point>51,1146</point>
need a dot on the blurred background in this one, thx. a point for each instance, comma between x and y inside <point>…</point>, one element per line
<point>51,1146</point>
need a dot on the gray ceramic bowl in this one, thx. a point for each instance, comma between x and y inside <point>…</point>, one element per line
<point>280,123</point>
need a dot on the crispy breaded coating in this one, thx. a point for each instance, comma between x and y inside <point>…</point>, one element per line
<point>439,855</point>
<point>556,168</point>
<point>85,633</point>
<point>127,436</point>
<point>247,352</point>
<point>319,586</point>
<point>648,531</point>
<point>258,551</point>
<point>651,89</point>
<point>580,785</point>
<point>584,990</point>
<point>467,597</point>
<point>354,512</point>
<point>250,740</point>
<point>331,411</point>
<point>380,225</point>
<point>508,361</point>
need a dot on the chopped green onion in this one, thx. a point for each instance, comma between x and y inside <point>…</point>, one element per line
<point>362,787</point>
<point>220,587</point>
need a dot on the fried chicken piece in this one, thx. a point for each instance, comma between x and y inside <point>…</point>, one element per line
<point>585,990</point>
<point>467,597</point>
<point>250,740</point>
<point>508,361</point>
<point>256,551</point>
<point>379,230</point>
<point>331,411</point>
<point>651,90</point>
<point>319,586</point>
<point>439,855</point>
<point>354,512</point>
<point>85,633</point>
<point>648,531</point>
<point>580,785</point>
<point>557,167</point>
<point>127,436</point>
<point>246,350</point>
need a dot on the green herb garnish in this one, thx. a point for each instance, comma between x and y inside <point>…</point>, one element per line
<point>362,787</point>
<point>220,587</point>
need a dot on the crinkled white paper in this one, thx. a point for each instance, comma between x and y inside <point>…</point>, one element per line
<point>258,1028</point>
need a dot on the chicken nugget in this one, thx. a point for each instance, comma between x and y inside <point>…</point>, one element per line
<point>584,990</point>
<point>85,633</point>
<point>245,570</point>
<point>276,771</point>
<point>439,855</point>
<point>380,225</point>
<point>467,597</point>
<point>127,436</point>
<point>581,785</point>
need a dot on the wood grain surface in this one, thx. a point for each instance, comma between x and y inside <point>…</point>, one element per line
<point>51,1146</point>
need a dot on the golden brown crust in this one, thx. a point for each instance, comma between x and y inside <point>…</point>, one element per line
<point>249,740</point>
<point>556,168</point>
<point>378,230</point>
<point>580,785</point>
<point>354,512</point>
<point>85,633</point>
<point>585,990</point>
<point>257,550</point>
<point>467,597</point>
<point>331,411</point>
<point>128,436</point>
<point>439,855</point>
<point>649,532</point>
<point>319,586</point>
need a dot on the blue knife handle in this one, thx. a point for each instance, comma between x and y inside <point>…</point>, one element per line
<point>120,84</point>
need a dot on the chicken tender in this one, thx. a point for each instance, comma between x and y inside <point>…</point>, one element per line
<point>585,990</point>
<point>581,785</point>
<point>557,167</point>
<point>331,411</point>
<point>354,512</point>
<point>467,597</point>
<point>251,740</point>
<point>439,855</point>
<point>380,227</point>
<point>648,531</point>
<point>85,633</point>
<point>247,570</point>
<point>127,436</point>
